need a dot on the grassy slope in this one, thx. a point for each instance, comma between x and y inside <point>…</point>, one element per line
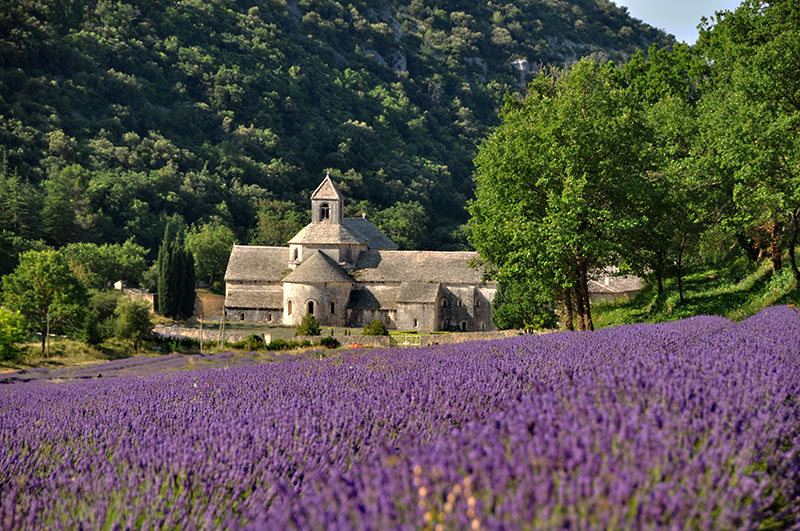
<point>734,290</point>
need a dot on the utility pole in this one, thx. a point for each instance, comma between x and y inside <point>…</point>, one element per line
<point>47,340</point>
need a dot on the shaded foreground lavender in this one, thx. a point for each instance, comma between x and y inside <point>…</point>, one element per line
<point>690,423</point>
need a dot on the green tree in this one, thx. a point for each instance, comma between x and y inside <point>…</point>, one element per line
<point>12,331</point>
<point>176,277</point>
<point>375,328</point>
<point>520,306</point>
<point>405,224</point>
<point>752,117</point>
<point>309,326</point>
<point>277,222</point>
<point>134,321</point>
<point>99,266</point>
<point>100,322</point>
<point>556,182</point>
<point>46,292</point>
<point>211,245</point>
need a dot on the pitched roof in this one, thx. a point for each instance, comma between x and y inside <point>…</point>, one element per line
<point>327,232</point>
<point>316,269</point>
<point>327,190</point>
<point>446,267</point>
<point>271,299</point>
<point>418,292</point>
<point>373,298</point>
<point>368,231</point>
<point>250,262</point>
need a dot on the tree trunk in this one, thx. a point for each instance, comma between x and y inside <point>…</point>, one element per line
<point>792,243</point>
<point>775,249</point>
<point>749,247</point>
<point>579,304</point>
<point>659,282</point>
<point>680,268</point>
<point>568,318</point>
<point>586,302</point>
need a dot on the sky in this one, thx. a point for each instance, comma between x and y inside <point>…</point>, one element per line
<point>679,17</point>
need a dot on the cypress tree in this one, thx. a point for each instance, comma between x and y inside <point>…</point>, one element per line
<point>176,277</point>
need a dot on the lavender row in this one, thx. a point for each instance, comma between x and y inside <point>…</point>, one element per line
<point>693,423</point>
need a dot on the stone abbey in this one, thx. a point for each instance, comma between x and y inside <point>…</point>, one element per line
<point>346,272</point>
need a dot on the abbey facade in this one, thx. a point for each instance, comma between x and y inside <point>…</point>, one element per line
<point>346,272</point>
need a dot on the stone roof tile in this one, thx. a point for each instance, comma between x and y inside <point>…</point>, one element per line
<point>373,298</point>
<point>317,269</point>
<point>366,229</point>
<point>418,292</point>
<point>251,263</point>
<point>327,190</point>
<point>445,267</point>
<point>327,232</point>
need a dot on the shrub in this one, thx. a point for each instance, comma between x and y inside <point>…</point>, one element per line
<point>254,342</point>
<point>278,344</point>
<point>12,331</point>
<point>308,326</point>
<point>329,342</point>
<point>376,328</point>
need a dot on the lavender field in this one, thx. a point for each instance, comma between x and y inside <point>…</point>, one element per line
<point>688,424</point>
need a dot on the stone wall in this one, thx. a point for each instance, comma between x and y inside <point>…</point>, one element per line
<point>460,337</point>
<point>209,334</point>
<point>352,341</point>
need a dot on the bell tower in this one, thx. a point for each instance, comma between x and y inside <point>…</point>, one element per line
<point>327,203</point>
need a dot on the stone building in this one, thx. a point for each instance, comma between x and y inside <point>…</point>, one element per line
<point>346,272</point>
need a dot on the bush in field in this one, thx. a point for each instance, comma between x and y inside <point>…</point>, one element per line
<point>329,342</point>
<point>254,342</point>
<point>134,321</point>
<point>308,326</point>
<point>12,331</point>
<point>375,328</point>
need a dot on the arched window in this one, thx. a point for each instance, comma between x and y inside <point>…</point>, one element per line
<point>241,317</point>
<point>444,303</point>
<point>289,307</point>
<point>459,303</point>
<point>294,254</point>
<point>311,307</point>
<point>324,211</point>
<point>463,326</point>
<point>269,317</point>
<point>415,323</point>
<point>333,307</point>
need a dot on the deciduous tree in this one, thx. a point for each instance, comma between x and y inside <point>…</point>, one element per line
<point>46,292</point>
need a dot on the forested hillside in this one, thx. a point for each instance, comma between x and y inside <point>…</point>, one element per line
<point>115,116</point>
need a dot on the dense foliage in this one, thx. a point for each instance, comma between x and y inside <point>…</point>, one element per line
<point>115,116</point>
<point>674,157</point>
<point>686,424</point>
<point>176,275</point>
<point>375,328</point>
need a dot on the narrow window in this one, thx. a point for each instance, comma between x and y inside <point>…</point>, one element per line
<point>289,307</point>
<point>459,303</point>
<point>333,307</point>
<point>324,211</point>
<point>311,307</point>
<point>444,303</point>
<point>415,323</point>
<point>463,326</point>
<point>269,317</point>
<point>294,255</point>
<point>241,317</point>
<point>477,303</point>
<point>483,326</point>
